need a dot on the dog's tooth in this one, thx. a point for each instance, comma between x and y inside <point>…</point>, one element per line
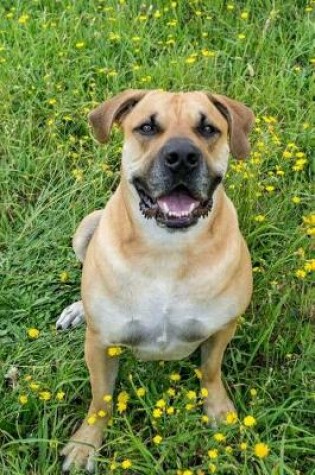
<point>191,208</point>
<point>165,208</point>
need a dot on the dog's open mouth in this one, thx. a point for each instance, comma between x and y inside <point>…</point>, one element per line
<point>176,209</point>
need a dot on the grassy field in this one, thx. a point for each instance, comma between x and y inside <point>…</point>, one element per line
<point>58,59</point>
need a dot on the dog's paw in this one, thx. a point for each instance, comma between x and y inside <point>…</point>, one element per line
<point>80,450</point>
<point>217,409</point>
<point>72,316</point>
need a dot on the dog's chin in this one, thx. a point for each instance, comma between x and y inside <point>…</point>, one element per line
<point>174,210</point>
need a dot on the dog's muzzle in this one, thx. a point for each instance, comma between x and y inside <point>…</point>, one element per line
<point>178,188</point>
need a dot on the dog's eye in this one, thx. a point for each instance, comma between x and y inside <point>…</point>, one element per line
<point>149,128</point>
<point>207,130</point>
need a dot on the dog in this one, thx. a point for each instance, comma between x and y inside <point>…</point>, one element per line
<point>165,267</point>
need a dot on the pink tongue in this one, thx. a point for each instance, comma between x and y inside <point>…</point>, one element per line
<point>177,203</point>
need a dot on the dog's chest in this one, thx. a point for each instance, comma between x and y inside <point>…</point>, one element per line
<point>158,319</point>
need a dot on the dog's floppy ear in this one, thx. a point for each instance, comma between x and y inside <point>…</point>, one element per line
<point>240,120</point>
<point>102,118</point>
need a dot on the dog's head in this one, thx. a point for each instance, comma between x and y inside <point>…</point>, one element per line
<point>176,148</point>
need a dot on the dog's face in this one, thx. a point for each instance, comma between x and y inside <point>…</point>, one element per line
<point>176,148</point>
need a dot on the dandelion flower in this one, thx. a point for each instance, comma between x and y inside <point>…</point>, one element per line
<point>157,413</point>
<point>300,274</point>
<point>160,403</point>
<point>212,468</point>
<point>91,419</point>
<point>191,395</point>
<point>45,395</point>
<point>140,392</point>
<point>249,421</point>
<point>175,377</point>
<point>213,453</point>
<point>171,392</point>
<point>107,398</point>
<point>64,276</point>
<point>157,439</point>
<point>243,446</point>
<point>23,399</point>
<point>60,396</point>
<point>296,200</point>
<point>33,333</point>
<point>125,464</point>
<point>219,437</point>
<point>231,418</point>
<point>114,351</point>
<point>170,410</point>
<point>101,413</point>
<point>204,392</point>
<point>261,450</point>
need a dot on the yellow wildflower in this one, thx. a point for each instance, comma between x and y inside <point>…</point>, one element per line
<point>198,373</point>
<point>253,392</point>
<point>101,413</point>
<point>33,333</point>
<point>23,19</point>
<point>243,446</point>
<point>170,410</point>
<point>309,266</point>
<point>34,386</point>
<point>107,398</point>
<point>64,276</point>
<point>191,395</point>
<point>189,407</point>
<point>157,413</point>
<point>175,377</point>
<point>249,421</point>
<point>244,15</point>
<point>171,392</point>
<point>261,450</point>
<point>140,392</point>
<point>23,399</point>
<point>300,274</point>
<point>160,403</point>
<point>190,60</point>
<point>241,36</point>
<point>157,439</point>
<point>296,200</point>
<point>229,450</point>
<point>205,419</point>
<point>213,453</point>
<point>219,437</point>
<point>125,464</point>
<point>212,467</point>
<point>114,351</point>
<point>60,396</point>
<point>230,418</point>
<point>92,419</point>
<point>204,392</point>
<point>45,395</point>
<point>259,218</point>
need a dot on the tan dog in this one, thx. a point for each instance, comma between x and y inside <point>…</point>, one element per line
<point>166,269</point>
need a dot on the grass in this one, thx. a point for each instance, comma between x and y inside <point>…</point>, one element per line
<point>58,59</point>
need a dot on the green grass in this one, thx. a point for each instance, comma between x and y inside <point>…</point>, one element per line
<point>53,174</point>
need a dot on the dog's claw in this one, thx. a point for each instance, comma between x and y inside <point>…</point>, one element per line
<point>72,316</point>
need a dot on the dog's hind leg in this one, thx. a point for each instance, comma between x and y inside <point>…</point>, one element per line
<point>73,315</point>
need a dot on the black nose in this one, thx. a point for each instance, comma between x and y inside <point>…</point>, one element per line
<point>181,153</point>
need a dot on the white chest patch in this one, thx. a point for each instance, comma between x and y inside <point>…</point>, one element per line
<point>162,322</point>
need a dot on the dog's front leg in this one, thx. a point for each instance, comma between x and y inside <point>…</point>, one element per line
<point>217,403</point>
<point>103,370</point>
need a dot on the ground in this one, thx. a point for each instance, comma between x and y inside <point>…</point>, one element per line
<point>58,60</point>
